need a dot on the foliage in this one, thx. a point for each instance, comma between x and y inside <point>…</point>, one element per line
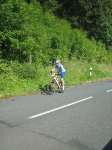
<point>29,35</point>
<point>25,71</point>
<point>94,16</point>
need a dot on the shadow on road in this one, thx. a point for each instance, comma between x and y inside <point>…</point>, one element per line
<point>108,146</point>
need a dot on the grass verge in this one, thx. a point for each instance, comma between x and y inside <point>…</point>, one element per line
<point>78,72</point>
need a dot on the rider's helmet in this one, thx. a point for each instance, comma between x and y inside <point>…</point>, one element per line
<point>57,61</point>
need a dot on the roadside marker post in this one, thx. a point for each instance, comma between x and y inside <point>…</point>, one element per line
<point>90,71</point>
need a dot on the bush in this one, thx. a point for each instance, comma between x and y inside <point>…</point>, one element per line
<point>5,69</point>
<point>25,71</point>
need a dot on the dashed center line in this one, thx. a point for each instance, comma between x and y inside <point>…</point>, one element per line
<point>59,108</point>
<point>110,90</point>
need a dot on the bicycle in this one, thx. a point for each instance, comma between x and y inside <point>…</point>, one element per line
<point>55,84</point>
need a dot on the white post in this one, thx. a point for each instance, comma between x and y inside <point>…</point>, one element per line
<point>90,71</point>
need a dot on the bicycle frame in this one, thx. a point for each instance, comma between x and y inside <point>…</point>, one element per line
<point>56,81</point>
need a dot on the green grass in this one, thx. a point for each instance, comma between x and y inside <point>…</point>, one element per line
<point>77,73</point>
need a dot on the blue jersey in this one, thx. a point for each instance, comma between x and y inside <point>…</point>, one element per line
<point>60,68</point>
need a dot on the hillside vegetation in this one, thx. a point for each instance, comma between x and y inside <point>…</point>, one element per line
<point>93,16</point>
<point>30,41</point>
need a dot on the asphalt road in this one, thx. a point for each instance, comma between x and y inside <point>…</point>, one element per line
<point>79,119</point>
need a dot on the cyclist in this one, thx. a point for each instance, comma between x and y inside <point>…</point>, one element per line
<point>61,71</point>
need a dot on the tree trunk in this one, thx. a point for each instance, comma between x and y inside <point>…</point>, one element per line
<point>30,58</point>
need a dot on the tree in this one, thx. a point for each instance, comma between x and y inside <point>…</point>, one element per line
<point>11,17</point>
<point>50,4</point>
<point>93,15</point>
<point>97,20</point>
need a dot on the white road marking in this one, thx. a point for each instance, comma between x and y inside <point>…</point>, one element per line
<point>59,108</point>
<point>110,90</point>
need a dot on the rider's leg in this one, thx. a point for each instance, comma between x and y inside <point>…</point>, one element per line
<point>62,80</point>
<point>62,84</point>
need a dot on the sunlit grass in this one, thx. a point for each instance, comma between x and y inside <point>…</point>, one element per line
<point>77,73</point>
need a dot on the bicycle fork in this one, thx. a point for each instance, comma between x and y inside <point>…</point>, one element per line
<point>57,82</point>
